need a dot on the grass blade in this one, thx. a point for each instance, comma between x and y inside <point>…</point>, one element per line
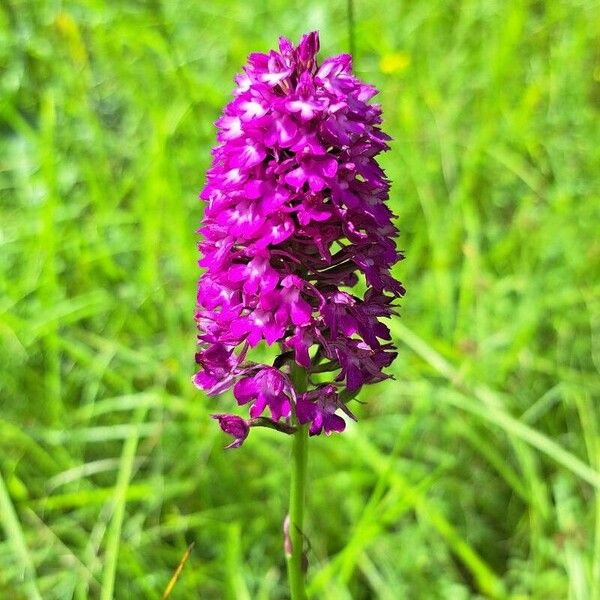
<point>120,498</point>
<point>14,533</point>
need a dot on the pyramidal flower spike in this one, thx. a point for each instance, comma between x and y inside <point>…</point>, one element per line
<point>295,217</point>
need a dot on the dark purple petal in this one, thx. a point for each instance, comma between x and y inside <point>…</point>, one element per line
<point>333,423</point>
<point>306,411</point>
<point>318,408</point>
<point>234,426</point>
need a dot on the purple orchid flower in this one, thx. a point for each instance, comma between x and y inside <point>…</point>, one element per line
<point>295,215</point>
<point>318,408</point>
<point>235,426</point>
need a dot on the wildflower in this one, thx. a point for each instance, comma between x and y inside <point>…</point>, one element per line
<point>266,388</point>
<point>235,426</point>
<point>295,217</point>
<point>318,408</point>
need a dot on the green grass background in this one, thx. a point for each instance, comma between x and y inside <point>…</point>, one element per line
<point>475,474</point>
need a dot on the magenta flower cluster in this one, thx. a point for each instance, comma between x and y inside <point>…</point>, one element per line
<point>295,218</point>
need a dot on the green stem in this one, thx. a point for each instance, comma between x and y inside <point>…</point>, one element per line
<point>295,559</point>
<point>351,43</point>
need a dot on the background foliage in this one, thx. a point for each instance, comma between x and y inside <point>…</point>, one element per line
<point>474,474</point>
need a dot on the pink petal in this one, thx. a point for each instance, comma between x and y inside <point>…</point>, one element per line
<point>245,390</point>
<point>301,312</point>
<point>296,178</point>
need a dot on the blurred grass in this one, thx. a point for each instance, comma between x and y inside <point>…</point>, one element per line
<point>474,474</point>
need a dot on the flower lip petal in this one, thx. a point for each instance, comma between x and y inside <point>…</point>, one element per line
<point>245,390</point>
